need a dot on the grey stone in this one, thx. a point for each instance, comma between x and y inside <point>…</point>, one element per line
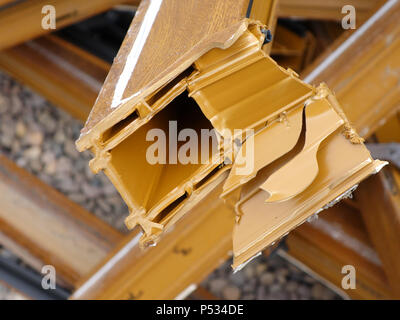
<point>279,295</point>
<point>260,268</point>
<point>48,157</point>
<point>309,279</point>
<point>231,293</point>
<point>21,162</point>
<point>115,200</point>
<point>48,123</point>
<point>320,292</point>
<point>6,141</point>
<point>304,292</point>
<point>238,278</point>
<point>104,205</point>
<point>292,286</point>
<point>77,197</point>
<point>281,278</point>
<point>70,149</point>
<point>67,185</point>
<point>249,288</point>
<point>275,288</point>
<point>3,104</point>
<point>34,138</point>
<point>90,191</point>
<point>32,153</point>
<point>64,164</point>
<point>16,105</point>
<point>109,189</point>
<point>217,285</point>
<point>267,278</point>
<point>35,165</point>
<point>20,129</point>
<point>261,293</point>
<point>249,271</point>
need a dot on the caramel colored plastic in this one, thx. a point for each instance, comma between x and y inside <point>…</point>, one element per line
<point>225,81</point>
<point>254,86</point>
<point>286,128</point>
<point>168,191</point>
<point>261,223</point>
<point>179,33</point>
<point>158,195</point>
<point>321,121</point>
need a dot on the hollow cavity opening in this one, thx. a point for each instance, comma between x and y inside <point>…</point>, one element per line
<point>118,127</point>
<point>148,163</point>
<point>163,215</point>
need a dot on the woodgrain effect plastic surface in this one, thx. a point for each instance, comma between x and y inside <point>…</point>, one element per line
<point>225,81</point>
<point>181,33</point>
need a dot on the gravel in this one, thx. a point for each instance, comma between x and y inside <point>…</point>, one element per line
<point>266,278</point>
<point>41,138</point>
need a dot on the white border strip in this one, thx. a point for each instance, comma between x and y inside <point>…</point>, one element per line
<point>187,292</point>
<point>134,54</point>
